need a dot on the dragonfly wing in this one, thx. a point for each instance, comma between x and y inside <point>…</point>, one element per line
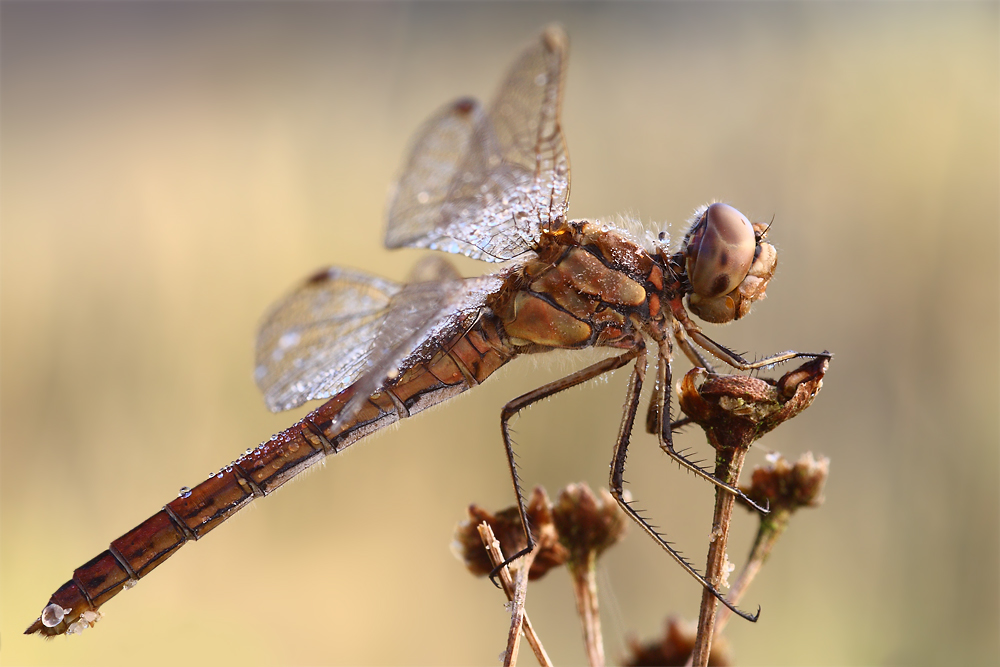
<point>526,119</point>
<point>422,318</point>
<point>314,342</point>
<point>487,184</point>
<point>355,329</point>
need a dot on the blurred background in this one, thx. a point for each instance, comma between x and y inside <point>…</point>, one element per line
<point>170,169</point>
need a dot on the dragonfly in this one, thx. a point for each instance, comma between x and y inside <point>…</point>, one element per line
<point>491,183</point>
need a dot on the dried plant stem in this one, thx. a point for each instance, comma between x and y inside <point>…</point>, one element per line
<point>519,616</point>
<point>729,462</point>
<point>516,620</point>
<point>771,528</point>
<point>585,589</point>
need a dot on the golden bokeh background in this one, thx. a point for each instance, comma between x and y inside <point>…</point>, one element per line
<point>170,169</point>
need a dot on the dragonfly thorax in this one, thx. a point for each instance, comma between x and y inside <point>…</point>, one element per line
<point>588,285</point>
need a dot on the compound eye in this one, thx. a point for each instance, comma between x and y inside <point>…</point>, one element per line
<point>720,251</point>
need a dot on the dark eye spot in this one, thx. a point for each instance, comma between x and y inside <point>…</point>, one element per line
<point>721,284</point>
<point>723,258</point>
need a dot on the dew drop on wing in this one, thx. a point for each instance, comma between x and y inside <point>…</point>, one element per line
<point>289,339</point>
<point>185,492</point>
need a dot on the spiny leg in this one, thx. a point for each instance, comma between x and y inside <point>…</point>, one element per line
<point>515,406</point>
<point>663,427</point>
<point>723,353</point>
<point>696,358</point>
<point>617,483</point>
<point>690,351</point>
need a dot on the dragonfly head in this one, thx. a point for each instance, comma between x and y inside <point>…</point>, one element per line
<point>728,263</point>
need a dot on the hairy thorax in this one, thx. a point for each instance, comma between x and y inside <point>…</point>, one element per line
<point>583,289</point>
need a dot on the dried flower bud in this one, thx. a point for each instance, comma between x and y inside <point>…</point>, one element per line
<point>735,410</point>
<point>506,524</point>
<point>676,647</point>
<point>587,523</point>
<point>788,486</point>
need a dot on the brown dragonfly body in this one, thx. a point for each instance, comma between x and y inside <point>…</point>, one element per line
<point>492,186</point>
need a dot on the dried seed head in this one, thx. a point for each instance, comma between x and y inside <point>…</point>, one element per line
<point>789,486</point>
<point>675,647</point>
<point>587,523</point>
<point>506,524</point>
<point>735,410</point>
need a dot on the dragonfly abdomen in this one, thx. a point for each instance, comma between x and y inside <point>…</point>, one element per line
<point>452,367</point>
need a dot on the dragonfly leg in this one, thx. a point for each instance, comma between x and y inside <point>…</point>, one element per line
<point>696,358</point>
<point>663,426</point>
<point>617,483</point>
<point>689,350</point>
<point>722,352</point>
<point>515,406</point>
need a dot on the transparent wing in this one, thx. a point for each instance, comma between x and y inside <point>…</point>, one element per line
<point>315,341</point>
<point>345,327</point>
<point>486,184</point>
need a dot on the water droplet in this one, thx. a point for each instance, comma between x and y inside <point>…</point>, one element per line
<point>52,615</point>
<point>289,339</point>
<point>423,197</point>
<point>185,492</point>
<point>541,79</point>
<point>130,584</point>
<point>293,447</point>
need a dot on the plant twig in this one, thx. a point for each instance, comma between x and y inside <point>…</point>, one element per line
<point>786,488</point>
<point>585,590</point>
<point>588,524</point>
<point>496,557</point>
<point>729,462</point>
<point>734,411</point>
<point>762,546</point>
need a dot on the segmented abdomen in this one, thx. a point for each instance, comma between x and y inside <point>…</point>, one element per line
<point>452,368</point>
